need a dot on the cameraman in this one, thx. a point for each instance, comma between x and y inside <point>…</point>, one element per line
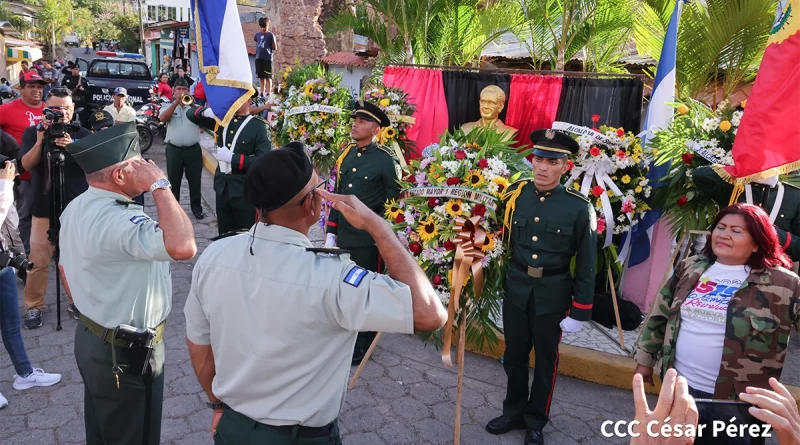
<point>35,146</point>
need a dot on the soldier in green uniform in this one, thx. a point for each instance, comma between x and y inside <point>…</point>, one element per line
<point>115,262</point>
<point>548,224</point>
<point>239,144</point>
<point>370,172</point>
<point>183,147</point>
<point>765,194</point>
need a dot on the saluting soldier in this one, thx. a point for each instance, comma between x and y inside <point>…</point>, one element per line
<point>767,194</point>
<point>284,379</point>
<point>370,172</point>
<point>548,225</point>
<point>115,262</point>
<point>239,144</point>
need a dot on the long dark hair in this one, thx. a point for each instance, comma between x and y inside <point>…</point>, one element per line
<point>769,253</point>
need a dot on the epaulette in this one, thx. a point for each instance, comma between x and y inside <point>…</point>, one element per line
<point>573,192</point>
<point>257,116</point>
<point>386,150</point>
<point>328,250</point>
<point>122,202</point>
<point>229,234</point>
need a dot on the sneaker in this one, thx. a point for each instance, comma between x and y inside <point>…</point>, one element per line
<point>33,319</point>
<point>3,401</point>
<point>76,314</point>
<point>36,378</point>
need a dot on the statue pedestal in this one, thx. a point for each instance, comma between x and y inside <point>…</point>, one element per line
<point>643,280</point>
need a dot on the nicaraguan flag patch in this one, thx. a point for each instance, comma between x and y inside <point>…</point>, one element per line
<point>355,276</point>
<point>139,219</point>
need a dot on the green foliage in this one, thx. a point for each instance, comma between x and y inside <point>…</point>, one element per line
<point>18,22</point>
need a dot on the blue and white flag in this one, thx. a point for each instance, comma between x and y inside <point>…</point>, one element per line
<point>222,56</point>
<point>659,115</point>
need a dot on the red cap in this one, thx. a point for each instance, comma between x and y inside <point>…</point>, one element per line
<point>31,77</point>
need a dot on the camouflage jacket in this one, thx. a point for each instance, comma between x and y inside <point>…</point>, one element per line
<point>760,316</point>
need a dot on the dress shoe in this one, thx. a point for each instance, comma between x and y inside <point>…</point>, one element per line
<point>502,425</point>
<point>534,437</point>
<point>198,213</point>
<point>358,356</point>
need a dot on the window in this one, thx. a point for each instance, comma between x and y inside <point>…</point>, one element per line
<point>162,13</point>
<point>152,14</point>
<point>171,13</point>
<point>120,69</point>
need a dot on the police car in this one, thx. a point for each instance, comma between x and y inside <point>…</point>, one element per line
<point>117,69</point>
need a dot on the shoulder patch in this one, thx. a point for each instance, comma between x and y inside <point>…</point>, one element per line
<point>577,194</point>
<point>328,251</point>
<point>229,234</point>
<point>386,150</point>
<point>138,219</point>
<point>355,276</point>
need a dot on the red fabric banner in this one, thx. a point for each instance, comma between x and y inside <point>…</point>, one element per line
<point>532,104</point>
<point>768,138</point>
<point>426,91</point>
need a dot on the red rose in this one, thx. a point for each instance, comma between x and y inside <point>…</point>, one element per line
<point>432,202</point>
<point>601,226</point>
<point>415,248</point>
<point>401,218</point>
<point>620,132</point>
<point>460,154</point>
<point>596,129</point>
<point>449,245</point>
<point>681,201</point>
<point>453,180</point>
<point>570,164</point>
<point>483,163</point>
<point>597,190</point>
<point>595,118</point>
<point>479,210</point>
<point>410,178</point>
<point>594,151</point>
<point>437,280</point>
<point>687,158</point>
<point>620,154</point>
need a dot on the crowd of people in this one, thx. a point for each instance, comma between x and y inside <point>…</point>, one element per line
<point>719,328</point>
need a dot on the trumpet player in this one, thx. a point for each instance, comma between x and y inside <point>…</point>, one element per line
<point>183,146</point>
<point>120,110</point>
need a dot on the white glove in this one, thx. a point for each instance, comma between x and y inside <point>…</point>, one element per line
<point>224,154</point>
<point>570,325</point>
<point>208,113</point>
<point>330,240</point>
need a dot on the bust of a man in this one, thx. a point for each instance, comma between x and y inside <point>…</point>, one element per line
<point>493,100</point>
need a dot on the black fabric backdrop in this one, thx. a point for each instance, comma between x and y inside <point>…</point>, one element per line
<point>462,91</point>
<point>617,101</point>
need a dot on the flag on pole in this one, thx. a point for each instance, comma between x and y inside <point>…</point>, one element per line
<point>768,138</point>
<point>659,115</point>
<point>222,56</point>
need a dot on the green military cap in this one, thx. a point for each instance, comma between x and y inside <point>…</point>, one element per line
<point>553,144</point>
<point>181,82</point>
<point>106,148</point>
<point>370,112</point>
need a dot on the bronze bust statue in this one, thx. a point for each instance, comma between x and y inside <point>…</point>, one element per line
<point>493,100</point>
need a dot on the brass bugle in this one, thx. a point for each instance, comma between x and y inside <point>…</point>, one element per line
<point>187,99</point>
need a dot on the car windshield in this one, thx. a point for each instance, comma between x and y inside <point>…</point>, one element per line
<point>119,69</point>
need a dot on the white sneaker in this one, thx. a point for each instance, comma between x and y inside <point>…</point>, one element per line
<point>3,401</point>
<point>37,378</point>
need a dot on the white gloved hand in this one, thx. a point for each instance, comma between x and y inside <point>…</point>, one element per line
<point>330,240</point>
<point>224,154</point>
<point>208,113</point>
<point>570,325</point>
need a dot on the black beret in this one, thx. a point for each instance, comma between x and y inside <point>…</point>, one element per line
<point>181,82</point>
<point>553,144</point>
<point>370,112</point>
<point>277,176</point>
<point>100,119</point>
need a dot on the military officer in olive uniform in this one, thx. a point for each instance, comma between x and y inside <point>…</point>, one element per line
<point>370,172</point>
<point>239,144</point>
<point>765,194</point>
<point>548,225</point>
<point>115,262</point>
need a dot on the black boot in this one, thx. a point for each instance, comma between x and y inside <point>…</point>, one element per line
<point>534,437</point>
<point>502,425</point>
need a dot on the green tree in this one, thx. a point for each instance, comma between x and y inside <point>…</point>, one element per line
<point>53,21</point>
<point>128,26</point>
<point>19,23</point>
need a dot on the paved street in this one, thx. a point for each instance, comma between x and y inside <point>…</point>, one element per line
<point>405,395</point>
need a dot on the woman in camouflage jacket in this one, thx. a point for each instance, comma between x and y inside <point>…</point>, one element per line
<point>753,330</point>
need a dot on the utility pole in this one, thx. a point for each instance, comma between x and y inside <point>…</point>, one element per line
<point>141,28</point>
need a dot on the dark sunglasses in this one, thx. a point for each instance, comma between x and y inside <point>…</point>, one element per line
<point>311,191</point>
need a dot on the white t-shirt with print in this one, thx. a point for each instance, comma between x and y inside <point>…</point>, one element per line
<point>704,313</point>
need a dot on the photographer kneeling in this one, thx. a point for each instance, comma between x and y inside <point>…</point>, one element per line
<point>49,138</point>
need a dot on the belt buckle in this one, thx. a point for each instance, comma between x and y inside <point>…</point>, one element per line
<point>535,272</point>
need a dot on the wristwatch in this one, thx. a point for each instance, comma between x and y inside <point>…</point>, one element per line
<point>215,406</point>
<point>160,184</point>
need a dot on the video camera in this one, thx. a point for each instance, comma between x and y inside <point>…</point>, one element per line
<point>57,128</point>
<point>16,260</point>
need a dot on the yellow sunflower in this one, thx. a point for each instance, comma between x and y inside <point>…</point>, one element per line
<point>489,244</point>
<point>450,278</point>
<point>502,184</point>
<point>385,102</point>
<point>390,132</point>
<point>427,229</point>
<point>475,178</point>
<point>309,90</point>
<point>393,210</point>
<point>454,207</point>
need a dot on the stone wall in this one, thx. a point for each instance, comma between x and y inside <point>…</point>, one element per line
<point>295,23</point>
<point>341,41</point>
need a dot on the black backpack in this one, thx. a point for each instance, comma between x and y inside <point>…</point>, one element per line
<point>630,316</point>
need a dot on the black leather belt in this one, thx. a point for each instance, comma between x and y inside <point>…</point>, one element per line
<point>307,432</point>
<point>539,272</point>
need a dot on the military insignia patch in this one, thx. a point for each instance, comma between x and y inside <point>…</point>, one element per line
<point>99,116</point>
<point>138,219</point>
<point>550,134</point>
<point>355,276</point>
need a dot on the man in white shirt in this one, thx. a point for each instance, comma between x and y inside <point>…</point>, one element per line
<point>120,110</point>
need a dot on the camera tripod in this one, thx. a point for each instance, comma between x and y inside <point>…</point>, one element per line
<point>55,162</point>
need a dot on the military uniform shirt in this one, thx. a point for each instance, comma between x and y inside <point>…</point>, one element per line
<point>181,132</point>
<point>115,261</point>
<point>283,323</point>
